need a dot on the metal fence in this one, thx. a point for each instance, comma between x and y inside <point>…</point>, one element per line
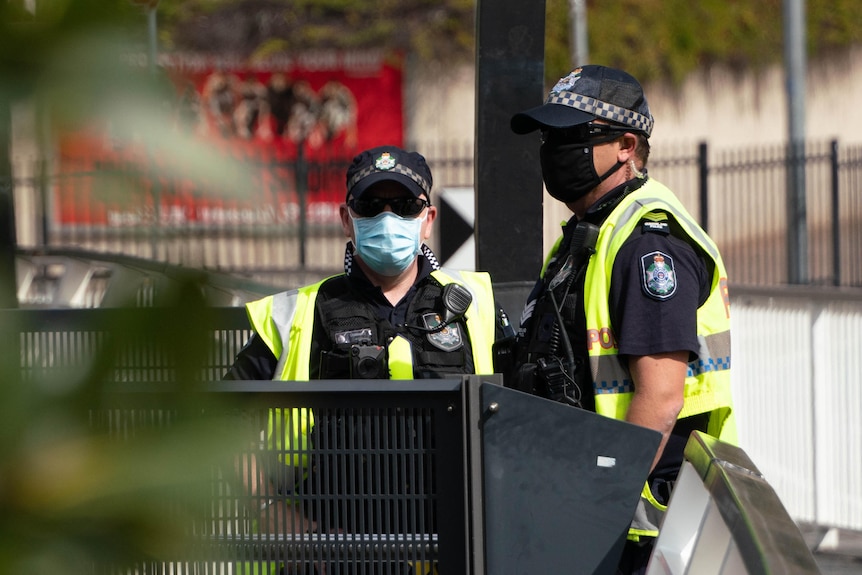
<point>382,478</point>
<point>740,195</point>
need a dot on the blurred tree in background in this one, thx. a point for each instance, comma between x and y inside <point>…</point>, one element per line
<point>668,39</point>
<point>653,39</point>
<point>430,29</point>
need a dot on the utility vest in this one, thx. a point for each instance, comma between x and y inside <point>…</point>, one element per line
<point>285,321</point>
<point>707,383</point>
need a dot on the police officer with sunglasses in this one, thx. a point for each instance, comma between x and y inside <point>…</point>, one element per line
<point>393,314</point>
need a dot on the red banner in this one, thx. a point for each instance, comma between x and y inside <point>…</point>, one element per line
<point>333,104</point>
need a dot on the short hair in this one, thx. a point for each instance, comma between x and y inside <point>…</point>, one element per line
<point>642,148</point>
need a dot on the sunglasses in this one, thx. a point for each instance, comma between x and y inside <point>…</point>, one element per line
<point>404,207</point>
<point>584,133</point>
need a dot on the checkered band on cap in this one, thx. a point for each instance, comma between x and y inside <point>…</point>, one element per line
<point>398,169</point>
<point>604,110</point>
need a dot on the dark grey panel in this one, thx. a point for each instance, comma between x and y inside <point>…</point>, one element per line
<point>561,484</point>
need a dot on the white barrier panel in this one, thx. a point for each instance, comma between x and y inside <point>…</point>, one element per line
<point>797,381</point>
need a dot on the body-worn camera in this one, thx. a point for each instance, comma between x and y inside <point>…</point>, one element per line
<point>368,362</point>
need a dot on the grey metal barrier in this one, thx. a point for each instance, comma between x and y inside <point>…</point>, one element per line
<point>725,518</point>
<point>371,481</point>
<point>384,477</point>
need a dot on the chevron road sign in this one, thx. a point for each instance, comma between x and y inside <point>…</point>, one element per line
<point>457,211</point>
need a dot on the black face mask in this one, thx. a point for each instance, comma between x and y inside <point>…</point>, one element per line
<point>569,171</point>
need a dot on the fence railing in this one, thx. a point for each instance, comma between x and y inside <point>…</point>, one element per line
<point>286,225</point>
<point>741,198</point>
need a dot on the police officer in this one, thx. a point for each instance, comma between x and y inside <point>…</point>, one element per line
<point>392,295</point>
<point>393,314</point>
<point>630,317</point>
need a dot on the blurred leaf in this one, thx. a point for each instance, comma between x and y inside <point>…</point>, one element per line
<point>89,475</point>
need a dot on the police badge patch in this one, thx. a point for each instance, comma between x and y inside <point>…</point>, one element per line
<point>659,277</point>
<point>385,162</point>
<point>448,339</point>
<point>566,84</point>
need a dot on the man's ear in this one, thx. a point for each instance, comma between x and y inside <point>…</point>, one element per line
<point>628,145</point>
<point>427,225</point>
<point>346,222</point>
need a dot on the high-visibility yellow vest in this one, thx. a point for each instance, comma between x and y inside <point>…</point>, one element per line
<point>707,383</point>
<point>285,322</point>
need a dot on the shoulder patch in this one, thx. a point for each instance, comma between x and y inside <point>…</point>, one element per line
<point>656,227</point>
<point>659,277</point>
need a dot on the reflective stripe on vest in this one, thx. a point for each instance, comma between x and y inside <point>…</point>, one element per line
<point>400,358</point>
<point>290,314</point>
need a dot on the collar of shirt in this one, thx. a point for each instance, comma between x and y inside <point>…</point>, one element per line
<point>396,314</point>
<point>596,214</point>
<point>601,209</point>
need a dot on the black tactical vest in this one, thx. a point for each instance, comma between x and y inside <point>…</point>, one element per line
<point>354,341</point>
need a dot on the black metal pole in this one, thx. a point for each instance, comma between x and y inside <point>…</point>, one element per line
<point>703,184</point>
<point>797,214</point>
<point>836,213</point>
<point>301,172</point>
<point>155,190</point>
<point>8,240</point>
<point>44,183</point>
<point>510,51</point>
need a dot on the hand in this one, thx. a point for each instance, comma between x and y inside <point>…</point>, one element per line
<point>282,517</point>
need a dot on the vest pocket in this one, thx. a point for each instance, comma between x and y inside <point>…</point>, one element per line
<point>334,365</point>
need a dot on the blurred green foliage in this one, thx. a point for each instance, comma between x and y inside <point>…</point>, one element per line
<point>653,39</point>
<point>96,472</point>
<point>666,40</point>
<point>429,29</point>
<point>73,494</point>
<point>77,61</point>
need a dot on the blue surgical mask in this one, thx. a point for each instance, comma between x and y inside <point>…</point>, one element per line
<point>386,242</point>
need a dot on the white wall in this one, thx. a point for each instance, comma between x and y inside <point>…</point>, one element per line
<point>729,108</point>
<point>439,103</point>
